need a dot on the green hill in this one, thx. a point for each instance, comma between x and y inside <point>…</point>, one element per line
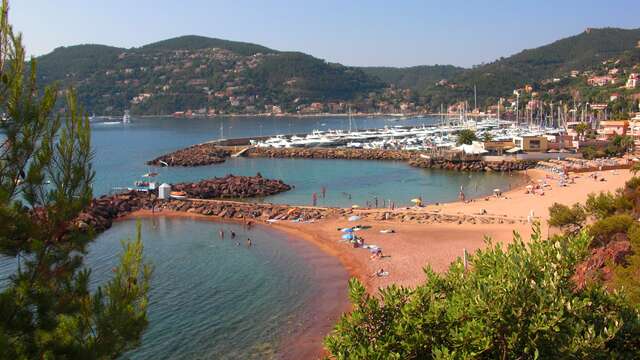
<point>79,60</point>
<point>221,76</point>
<point>415,77</point>
<point>194,42</point>
<point>195,72</point>
<point>532,66</point>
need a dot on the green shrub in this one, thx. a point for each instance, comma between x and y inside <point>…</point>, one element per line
<point>603,230</point>
<point>570,219</point>
<point>607,204</point>
<point>518,303</point>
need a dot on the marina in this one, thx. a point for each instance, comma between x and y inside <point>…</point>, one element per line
<point>440,136</point>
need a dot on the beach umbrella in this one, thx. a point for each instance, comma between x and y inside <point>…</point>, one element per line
<point>347,236</point>
<point>416,201</point>
<point>347,230</point>
<point>496,190</point>
<point>353,218</point>
<point>355,206</point>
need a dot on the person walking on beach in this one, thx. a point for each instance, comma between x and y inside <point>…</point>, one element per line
<point>249,244</point>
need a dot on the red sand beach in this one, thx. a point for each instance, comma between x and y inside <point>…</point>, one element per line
<point>414,245</point>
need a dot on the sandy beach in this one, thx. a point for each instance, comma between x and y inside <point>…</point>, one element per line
<point>414,245</point>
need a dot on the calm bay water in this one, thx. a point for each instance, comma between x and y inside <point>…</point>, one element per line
<point>213,299</point>
<point>122,150</point>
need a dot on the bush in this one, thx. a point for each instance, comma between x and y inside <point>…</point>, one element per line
<point>513,303</point>
<point>607,204</point>
<point>603,230</point>
<point>590,152</point>
<point>570,219</point>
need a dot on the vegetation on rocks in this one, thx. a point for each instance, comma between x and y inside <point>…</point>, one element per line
<point>611,221</point>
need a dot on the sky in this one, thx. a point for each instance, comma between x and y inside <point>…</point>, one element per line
<point>357,33</point>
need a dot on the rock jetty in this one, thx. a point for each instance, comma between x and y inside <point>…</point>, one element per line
<point>99,216</point>
<point>207,154</point>
<point>333,153</point>
<point>196,155</point>
<point>230,186</point>
<point>472,165</point>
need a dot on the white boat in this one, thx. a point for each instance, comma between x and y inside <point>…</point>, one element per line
<point>126,118</point>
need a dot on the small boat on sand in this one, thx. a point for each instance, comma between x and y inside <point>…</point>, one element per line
<point>178,195</point>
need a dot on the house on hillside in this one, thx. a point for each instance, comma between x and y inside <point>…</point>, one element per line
<point>601,80</point>
<point>611,128</point>
<point>633,81</point>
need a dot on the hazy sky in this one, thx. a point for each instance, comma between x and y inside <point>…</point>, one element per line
<point>390,33</point>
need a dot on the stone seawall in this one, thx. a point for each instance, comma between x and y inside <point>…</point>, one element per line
<point>196,155</point>
<point>472,165</point>
<point>333,153</point>
<point>208,154</point>
<point>100,215</point>
<point>104,210</point>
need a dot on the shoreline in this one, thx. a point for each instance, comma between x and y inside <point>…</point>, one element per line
<point>332,302</point>
<point>416,244</point>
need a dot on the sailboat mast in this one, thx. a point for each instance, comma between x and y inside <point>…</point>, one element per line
<point>475,98</point>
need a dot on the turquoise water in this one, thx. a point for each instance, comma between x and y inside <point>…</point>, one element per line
<point>211,298</point>
<point>121,151</point>
<point>214,300</point>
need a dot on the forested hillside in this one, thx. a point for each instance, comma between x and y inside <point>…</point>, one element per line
<point>213,76</point>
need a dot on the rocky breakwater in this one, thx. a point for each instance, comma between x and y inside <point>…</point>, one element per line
<point>101,213</point>
<point>333,153</point>
<point>196,155</point>
<point>232,187</point>
<point>99,216</point>
<point>471,165</point>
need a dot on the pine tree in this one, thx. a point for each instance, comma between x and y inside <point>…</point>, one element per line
<point>46,308</point>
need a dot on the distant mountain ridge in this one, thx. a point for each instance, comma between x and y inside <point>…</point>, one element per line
<point>195,73</point>
<point>195,42</point>
<point>222,76</point>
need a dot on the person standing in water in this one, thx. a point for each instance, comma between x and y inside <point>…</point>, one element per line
<point>233,235</point>
<point>249,244</point>
<point>314,198</point>
<point>323,191</point>
<point>221,234</point>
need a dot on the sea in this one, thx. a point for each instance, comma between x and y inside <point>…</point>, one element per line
<point>215,298</point>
